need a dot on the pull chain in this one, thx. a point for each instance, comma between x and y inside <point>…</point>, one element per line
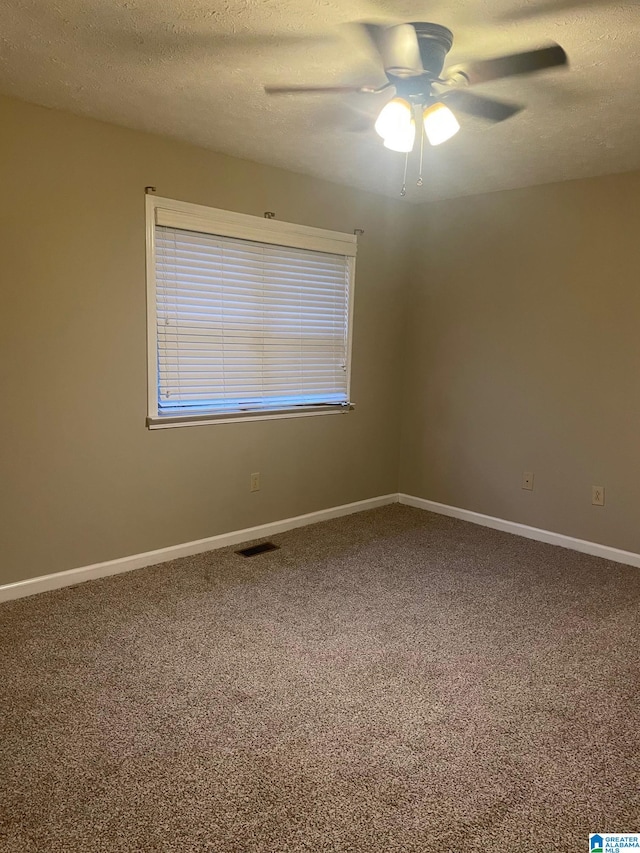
<point>420,181</point>
<point>403,191</point>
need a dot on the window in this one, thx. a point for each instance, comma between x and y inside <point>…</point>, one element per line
<point>247,317</point>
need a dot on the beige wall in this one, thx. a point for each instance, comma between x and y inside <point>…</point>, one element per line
<point>523,353</point>
<point>518,345</point>
<point>83,480</point>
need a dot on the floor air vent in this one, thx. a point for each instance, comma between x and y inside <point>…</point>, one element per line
<point>258,549</point>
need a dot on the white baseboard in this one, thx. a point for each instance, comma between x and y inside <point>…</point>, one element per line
<point>31,586</point>
<point>629,558</point>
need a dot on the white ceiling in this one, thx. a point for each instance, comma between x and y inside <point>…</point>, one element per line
<point>194,69</point>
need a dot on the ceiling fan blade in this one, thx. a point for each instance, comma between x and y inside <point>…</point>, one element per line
<point>316,90</point>
<point>549,7</point>
<point>373,33</point>
<point>397,47</point>
<point>529,62</point>
<point>178,45</point>
<point>477,105</point>
<point>401,51</point>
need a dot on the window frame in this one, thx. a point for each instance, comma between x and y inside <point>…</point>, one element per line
<point>209,220</point>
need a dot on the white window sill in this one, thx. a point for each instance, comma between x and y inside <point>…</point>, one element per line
<point>169,421</point>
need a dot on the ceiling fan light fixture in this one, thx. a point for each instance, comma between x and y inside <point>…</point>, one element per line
<point>395,119</point>
<point>404,140</point>
<point>440,123</point>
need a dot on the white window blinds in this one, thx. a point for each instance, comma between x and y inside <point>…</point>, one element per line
<point>245,326</point>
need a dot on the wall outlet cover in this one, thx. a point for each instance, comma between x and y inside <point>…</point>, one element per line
<point>527,480</point>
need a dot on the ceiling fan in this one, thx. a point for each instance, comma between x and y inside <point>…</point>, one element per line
<point>413,57</point>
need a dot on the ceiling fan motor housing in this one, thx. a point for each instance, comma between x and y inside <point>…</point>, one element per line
<point>434,42</point>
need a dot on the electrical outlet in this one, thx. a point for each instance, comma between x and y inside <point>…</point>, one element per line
<point>527,480</point>
<point>255,482</point>
<point>597,495</point>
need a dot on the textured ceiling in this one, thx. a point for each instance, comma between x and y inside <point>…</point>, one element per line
<point>194,69</point>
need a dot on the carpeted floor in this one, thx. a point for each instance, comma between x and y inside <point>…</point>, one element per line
<point>390,681</point>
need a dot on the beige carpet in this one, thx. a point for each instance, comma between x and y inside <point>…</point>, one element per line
<point>391,681</point>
